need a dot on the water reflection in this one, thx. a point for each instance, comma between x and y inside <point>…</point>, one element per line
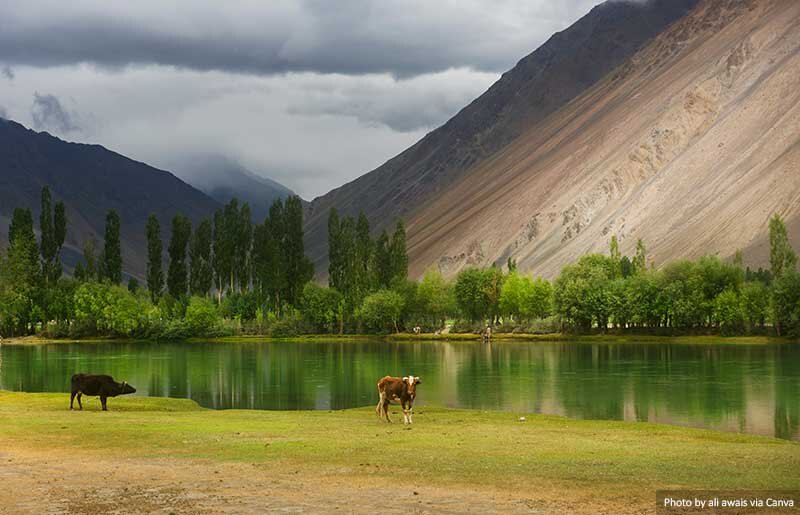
<point>750,388</point>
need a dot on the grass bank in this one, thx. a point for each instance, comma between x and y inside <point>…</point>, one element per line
<point>443,447</point>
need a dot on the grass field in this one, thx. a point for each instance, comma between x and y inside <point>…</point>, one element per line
<point>445,448</point>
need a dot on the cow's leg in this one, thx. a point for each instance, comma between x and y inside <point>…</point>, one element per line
<point>410,412</point>
<point>80,404</point>
<point>379,407</point>
<point>386,410</point>
<point>72,399</point>
<point>405,413</point>
<point>103,402</point>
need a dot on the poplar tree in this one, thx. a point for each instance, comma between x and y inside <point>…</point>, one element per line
<point>299,269</point>
<point>266,270</point>
<point>219,260</point>
<point>616,257</point>
<point>53,230</point>
<point>382,261</point>
<point>155,262</point>
<point>640,259</point>
<point>335,263</point>
<point>782,257</point>
<point>200,278</point>
<point>20,273</point>
<point>397,251</point>
<point>277,229</point>
<point>229,236</point>
<point>243,228</point>
<point>112,251</point>
<point>347,235</point>
<point>177,275</point>
<point>90,260</point>
<point>363,256</point>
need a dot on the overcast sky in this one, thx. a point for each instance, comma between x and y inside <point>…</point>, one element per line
<point>312,93</point>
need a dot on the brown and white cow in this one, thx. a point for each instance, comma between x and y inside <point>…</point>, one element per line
<point>399,391</point>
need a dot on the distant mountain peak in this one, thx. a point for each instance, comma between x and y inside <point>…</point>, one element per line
<point>224,178</point>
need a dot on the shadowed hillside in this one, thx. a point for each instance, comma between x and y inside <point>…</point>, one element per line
<point>90,179</point>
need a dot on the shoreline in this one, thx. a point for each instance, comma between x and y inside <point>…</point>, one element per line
<point>448,338</point>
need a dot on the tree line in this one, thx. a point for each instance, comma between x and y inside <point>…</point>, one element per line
<point>228,275</point>
<point>249,265</point>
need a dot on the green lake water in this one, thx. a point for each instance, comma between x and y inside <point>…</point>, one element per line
<point>747,388</point>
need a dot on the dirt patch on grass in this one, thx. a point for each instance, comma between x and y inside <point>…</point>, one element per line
<point>67,482</point>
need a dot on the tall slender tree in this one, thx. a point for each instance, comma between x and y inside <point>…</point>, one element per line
<point>266,259</point>
<point>20,274</point>
<point>243,247</point>
<point>382,261</point>
<point>21,225</point>
<point>335,262</point>
<point>640,259</point>
<point>616,257</point>
<point>53,230</point>
<point>277,228</point>
<point>47,240</point>
<point>782,257</point>
<point>219,261</point>
<point>347,237</point>
<point>397,250</point>
<point>59,235</point>
<point>200,278</point>
<point>112,250</point>
<point>363,257</point>
<point>90,260</point>
<point>299,269</point>
<point>177,274</point>
<point>155,259</point>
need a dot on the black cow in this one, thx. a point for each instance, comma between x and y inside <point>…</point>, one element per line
<point>102,385</point>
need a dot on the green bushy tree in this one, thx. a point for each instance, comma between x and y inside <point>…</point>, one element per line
<point>381,311</point>
<point>321,307</point>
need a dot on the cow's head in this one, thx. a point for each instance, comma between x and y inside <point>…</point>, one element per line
<point>412,382</point>
<point>124,388</point>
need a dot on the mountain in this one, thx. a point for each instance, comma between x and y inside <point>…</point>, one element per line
<point>222,179</point>
<point>691,145</point>
<point>565,66</point>
<point>90,180</point>
<point>688,138</point>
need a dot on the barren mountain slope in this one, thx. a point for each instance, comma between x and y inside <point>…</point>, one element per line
<point>691,146</point>
<point>566,65</point>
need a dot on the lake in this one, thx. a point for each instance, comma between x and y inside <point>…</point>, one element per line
<point>731,387</point>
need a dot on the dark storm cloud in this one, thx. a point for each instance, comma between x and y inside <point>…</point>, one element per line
<point>404,38</point>
<point>8,72</point>
<point>47,113</point>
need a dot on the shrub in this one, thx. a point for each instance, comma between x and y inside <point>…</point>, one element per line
<point>201,316</point>
<point>381,310</point>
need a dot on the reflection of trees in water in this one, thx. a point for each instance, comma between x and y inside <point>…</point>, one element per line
<point>733,387</point>
<point>667,383</point>
<point>787,392</point>
<point>501,375</point>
